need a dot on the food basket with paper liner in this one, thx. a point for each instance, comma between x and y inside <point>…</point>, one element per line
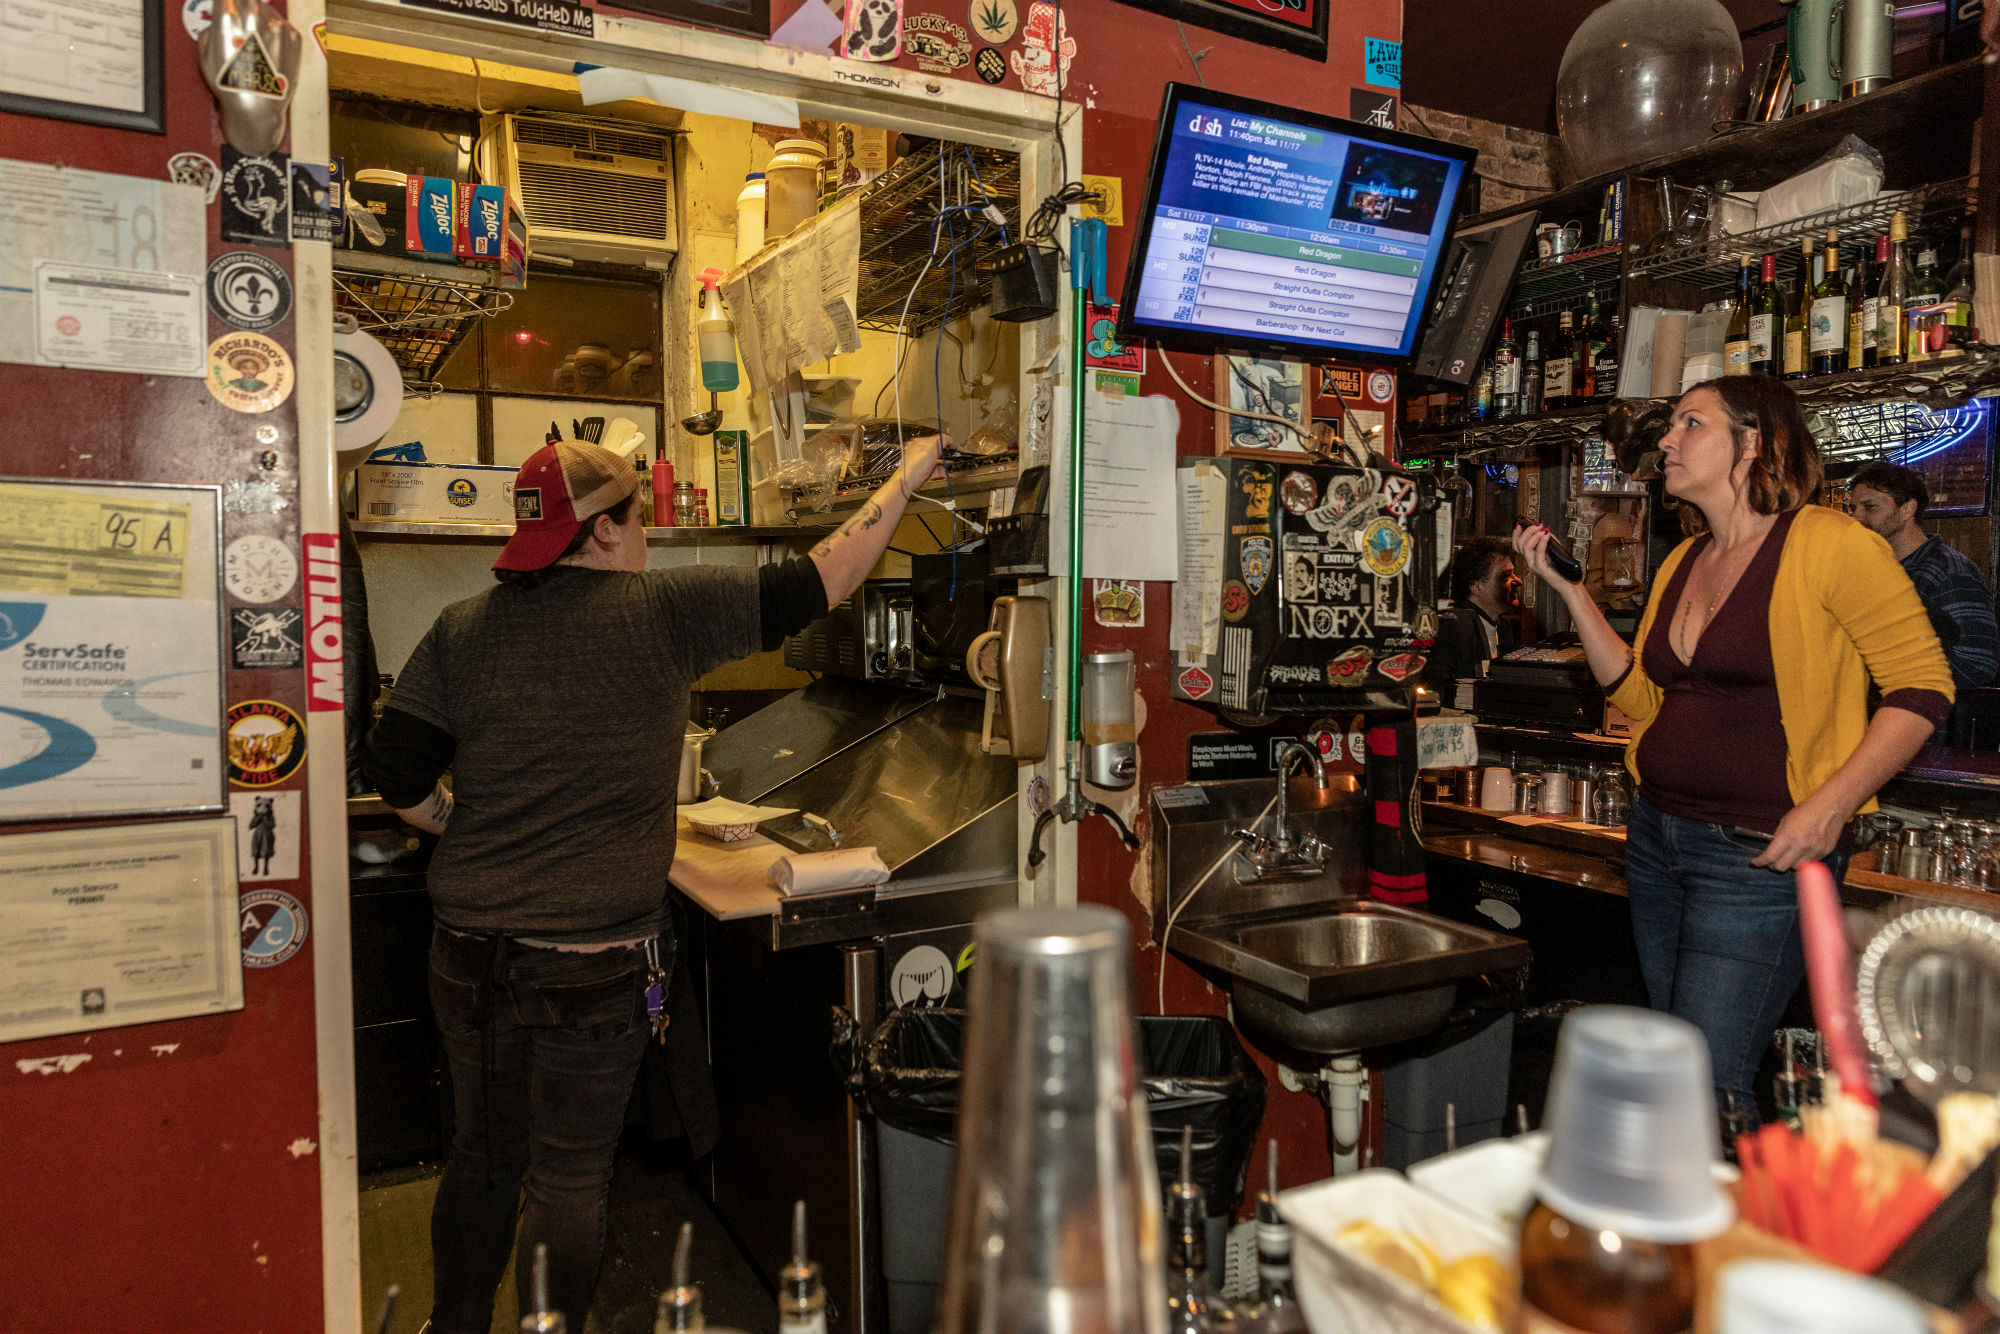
<point>1375,1255</point>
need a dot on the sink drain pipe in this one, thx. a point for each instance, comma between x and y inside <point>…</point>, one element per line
<point>1342,1079</point>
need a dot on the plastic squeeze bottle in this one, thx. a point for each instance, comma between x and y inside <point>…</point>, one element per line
<point>716,334</point>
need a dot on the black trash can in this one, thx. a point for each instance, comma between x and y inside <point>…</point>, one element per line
<point>1194,1071</point>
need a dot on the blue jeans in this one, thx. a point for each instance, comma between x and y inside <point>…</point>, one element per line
<point>544,1047</point>
<point>1718,939</point>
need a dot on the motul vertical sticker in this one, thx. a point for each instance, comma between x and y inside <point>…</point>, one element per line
<point>327,687</point>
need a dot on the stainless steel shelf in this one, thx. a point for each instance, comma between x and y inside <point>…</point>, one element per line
<point>898,212</point>
<point>1930,385</point>
<point>1547,286</point>
<point>419,312</point>
<point>1714,264</point>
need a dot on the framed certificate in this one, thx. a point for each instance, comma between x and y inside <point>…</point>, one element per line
<point>100,927</point>
<point>95,61</point>
<point>112,647</point>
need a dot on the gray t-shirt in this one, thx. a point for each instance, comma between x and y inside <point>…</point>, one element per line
<point>567,702</point>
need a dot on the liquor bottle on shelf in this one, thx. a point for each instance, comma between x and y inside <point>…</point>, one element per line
<point>1767,321</point>
<point>1860,280</point>
<point>1506,372</point>
<point>801,1294</point>
<point>1926,278</point>
<point>1736,342</point>
<point>1559,366</point>
<point>1531,375</point>
<point>1607,358</point>
<point>1892,295</point>
<point>1482,394</point>
<point>1193,1305</point>
<point>1796,365</point>
<point>1583,375</point>
<point>1827,341</point>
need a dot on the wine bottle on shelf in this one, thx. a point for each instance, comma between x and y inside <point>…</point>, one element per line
<point>1827,342</point>
<point>1871,301</point>
<point>1859,280</point>
<point>1736,342</point>
<point>1958,282</point>
<point>1531,375</point>
<point>1767,321</point>
<point>1796,365</point>
<point>1506,372</point>
<point>1607,358</point>
<point>1926,278</point>
<point>1559,367</point>
<point>1892,295</point>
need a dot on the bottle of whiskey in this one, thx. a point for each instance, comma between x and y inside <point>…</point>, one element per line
<point>1607,358</point>
<point>1559,367</point>
<point>1506,373</point>
<point>1531,375</point>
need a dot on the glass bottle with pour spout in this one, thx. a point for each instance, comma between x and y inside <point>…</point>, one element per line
<point>1193,1304</point>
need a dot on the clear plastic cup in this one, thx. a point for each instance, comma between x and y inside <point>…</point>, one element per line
<point>1632,1129</point>
<point>1791,1297</point>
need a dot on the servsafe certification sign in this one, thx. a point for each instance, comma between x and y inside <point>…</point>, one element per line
<point>110,650</point>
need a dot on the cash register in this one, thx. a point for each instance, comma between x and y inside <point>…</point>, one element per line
<point>1546,685</point>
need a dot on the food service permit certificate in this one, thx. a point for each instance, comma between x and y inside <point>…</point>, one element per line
<point>100,927</point>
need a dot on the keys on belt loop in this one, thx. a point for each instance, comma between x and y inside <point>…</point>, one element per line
<point>656,992</point>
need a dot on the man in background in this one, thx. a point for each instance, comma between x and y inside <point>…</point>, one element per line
<point>1478,626</point>
<point>1890,500</point>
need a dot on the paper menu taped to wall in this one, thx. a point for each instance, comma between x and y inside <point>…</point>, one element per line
<point>1197,619</point>
<point>89,218</point>
<point>1128,488</point>
<point>794,301</point>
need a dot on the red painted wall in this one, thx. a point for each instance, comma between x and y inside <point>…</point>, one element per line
<point>1125,56</point>
<point>155,1186</point>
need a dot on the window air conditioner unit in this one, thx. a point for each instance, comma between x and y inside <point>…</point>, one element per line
<point>596,190</point>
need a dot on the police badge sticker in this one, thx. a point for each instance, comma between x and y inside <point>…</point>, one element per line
<point>247,372</point>
<point>274,927</point>
<point>266,638</point>
<point>1385,547</point>
<point>1254,559</point>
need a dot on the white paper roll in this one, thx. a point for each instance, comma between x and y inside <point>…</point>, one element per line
<point>380,400</point>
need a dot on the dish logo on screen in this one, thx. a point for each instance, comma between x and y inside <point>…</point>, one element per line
<point>1208,125</point>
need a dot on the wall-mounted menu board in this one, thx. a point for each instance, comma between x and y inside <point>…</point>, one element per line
<point>111,649</point>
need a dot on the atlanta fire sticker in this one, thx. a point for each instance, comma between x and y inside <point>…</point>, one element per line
<point>267,743</point>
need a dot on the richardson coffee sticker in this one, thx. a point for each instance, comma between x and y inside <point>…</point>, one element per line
<point>326,687</point>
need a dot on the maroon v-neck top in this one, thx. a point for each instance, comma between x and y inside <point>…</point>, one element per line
<point>1716,750</point>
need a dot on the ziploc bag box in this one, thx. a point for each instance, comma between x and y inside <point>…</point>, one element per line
<point>487,217</point>
<point>430,219</point>
<point>434,493</point>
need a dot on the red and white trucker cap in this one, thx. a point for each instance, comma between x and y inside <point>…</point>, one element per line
<point>559,489</point>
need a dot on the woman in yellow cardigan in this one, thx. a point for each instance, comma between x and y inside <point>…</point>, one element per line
<point>1752,745</point>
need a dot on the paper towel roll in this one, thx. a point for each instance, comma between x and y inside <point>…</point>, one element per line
<point>1669,353</point>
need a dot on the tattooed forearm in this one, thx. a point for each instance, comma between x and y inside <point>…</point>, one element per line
<point>433,814</point>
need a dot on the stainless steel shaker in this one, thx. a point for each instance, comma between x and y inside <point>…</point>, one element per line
<point>1055,1202</point>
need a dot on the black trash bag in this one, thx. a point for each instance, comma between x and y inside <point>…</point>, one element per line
<point>1194,1072</point>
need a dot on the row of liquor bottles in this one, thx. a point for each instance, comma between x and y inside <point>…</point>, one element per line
<point>1883,310</point>
<point>1893,304</point>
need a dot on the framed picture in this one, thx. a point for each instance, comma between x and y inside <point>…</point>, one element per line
<point>750,17</point>
<point>1298,26</point>
<point>105,69</point>
<point>1261,385</point>
<point>112,648</point>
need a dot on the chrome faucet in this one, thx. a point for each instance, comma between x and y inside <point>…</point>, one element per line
<point>1281,857</point>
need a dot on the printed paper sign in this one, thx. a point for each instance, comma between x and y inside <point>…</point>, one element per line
<point>119,320</point>
<point>1385,63</point>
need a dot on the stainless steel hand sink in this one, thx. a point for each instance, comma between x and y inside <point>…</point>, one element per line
<point>1351,975</point>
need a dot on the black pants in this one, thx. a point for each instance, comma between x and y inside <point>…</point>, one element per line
<point>544,1047</point>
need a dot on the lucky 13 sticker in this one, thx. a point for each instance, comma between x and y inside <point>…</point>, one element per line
<point>274,926</point>
<point>247,372</point>
<point>267,743</point>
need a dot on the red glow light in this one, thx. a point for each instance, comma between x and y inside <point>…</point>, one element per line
<point>522,336</point>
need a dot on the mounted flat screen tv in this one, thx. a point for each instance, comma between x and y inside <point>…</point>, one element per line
<point>1281,232</point>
